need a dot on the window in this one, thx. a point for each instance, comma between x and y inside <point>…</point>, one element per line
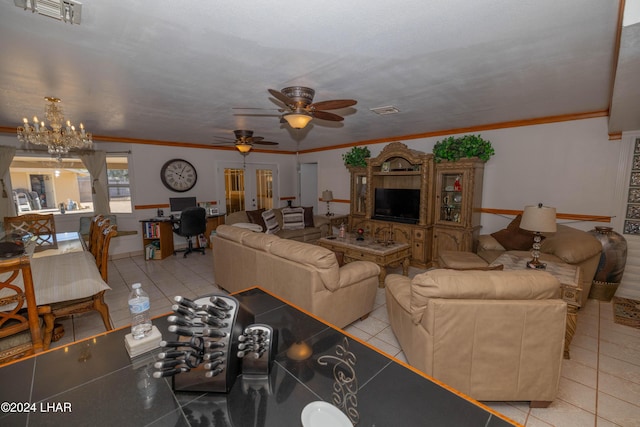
<point>43,185</point>
<point>118,184</point>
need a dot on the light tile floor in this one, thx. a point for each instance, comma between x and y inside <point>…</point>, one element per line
<point>600,384</point>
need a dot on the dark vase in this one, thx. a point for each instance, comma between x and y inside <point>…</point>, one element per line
<point>611,266</point>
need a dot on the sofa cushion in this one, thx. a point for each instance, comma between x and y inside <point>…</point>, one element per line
<point>308,216</point>
<point>292,218</point>
<point>482,285</point>
<point>259,241</point>
<point>232,233</point>
<point>271,223</point>
<point>255,217</point>
<point>571,245</point>
<point>322,259</point>
<point>513,238</point>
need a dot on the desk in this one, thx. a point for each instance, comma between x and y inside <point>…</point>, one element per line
<point>157,234</point>
<point>101,386</point>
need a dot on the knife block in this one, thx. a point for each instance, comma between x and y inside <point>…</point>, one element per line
<point>198,378</point>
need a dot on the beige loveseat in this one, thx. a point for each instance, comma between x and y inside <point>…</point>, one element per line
<point>493,335</point>
<point>306,275</point>
<point>309,233</point>
<point>567,244</point>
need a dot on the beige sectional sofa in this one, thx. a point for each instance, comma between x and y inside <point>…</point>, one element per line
<point>305,274</point>
<point>493,335</point>
<point>309,233</point>
<point>567,244</point>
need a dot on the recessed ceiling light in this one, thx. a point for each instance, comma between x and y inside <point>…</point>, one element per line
<point>383,111</point>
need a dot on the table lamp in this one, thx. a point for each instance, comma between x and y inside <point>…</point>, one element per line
<point>539,219</point>
<point>327,196</point>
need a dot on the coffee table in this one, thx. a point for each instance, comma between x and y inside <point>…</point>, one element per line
<point>569,277</point>
<point>382,253</point>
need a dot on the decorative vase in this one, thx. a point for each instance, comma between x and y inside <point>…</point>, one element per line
<point>611,266</point>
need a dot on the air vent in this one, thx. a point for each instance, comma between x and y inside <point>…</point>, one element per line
<point>62,10</point>
<point>385,111</point>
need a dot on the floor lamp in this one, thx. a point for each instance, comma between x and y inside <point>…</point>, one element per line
<point>539,219</point>
<point>327,196</point>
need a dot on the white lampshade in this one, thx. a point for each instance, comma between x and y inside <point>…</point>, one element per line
<point>327,195</point>
<point>539,218</point>
<point>297,120</point>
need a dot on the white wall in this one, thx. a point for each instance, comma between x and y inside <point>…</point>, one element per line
<point>570,165</point>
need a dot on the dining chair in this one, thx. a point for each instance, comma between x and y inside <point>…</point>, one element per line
<point>20,324</point>
<point>94,302</point>
<point>95,236</point>
<point>41,226</point>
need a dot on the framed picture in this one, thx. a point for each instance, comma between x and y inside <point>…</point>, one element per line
<point>386,166</point>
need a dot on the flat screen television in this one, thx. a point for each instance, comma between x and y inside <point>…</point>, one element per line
<point>177,204</point>
<point>397,204</point>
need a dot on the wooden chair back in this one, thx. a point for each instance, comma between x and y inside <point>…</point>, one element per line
<point>20,331</point>
<point>41,226</point>
<point>102,255</point>
<point>93,229</point>
<point>95,241</point>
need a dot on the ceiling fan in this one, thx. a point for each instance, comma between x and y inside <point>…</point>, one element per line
<point>299,109</point>
<point>244,141</point>
<point>298,101</point>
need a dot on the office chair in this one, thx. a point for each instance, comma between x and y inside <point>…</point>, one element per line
<point>193,221</point>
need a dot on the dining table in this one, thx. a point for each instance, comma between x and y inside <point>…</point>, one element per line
<point>65,273</point>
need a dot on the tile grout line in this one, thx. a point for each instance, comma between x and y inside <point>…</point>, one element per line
<point>598,363</point>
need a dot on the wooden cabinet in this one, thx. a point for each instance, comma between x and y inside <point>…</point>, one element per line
<point>458,198</point>
<point>358,193</point>
<point>447,213</point>
<point>157,239</point>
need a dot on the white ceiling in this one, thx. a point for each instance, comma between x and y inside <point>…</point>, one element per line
<point>172,71</point>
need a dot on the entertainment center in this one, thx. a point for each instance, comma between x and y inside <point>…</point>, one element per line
<point>403,195</point>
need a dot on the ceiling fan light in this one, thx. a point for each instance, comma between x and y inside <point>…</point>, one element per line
<point>297,120</point>
<point>243,148</point>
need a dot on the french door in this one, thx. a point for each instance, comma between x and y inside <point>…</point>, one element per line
<point>248,187</point>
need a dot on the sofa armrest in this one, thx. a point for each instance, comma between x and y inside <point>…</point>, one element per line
<point>321,222</point>
<point>487,242</point>
<point>357,271</point>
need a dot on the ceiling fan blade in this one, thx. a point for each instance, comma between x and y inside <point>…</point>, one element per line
<point>222,138</point>
<point>256,138</point>
<point>256,108</point>
<point>282,98</point>
<point>265,143</point>
<point>323,115</point>
<point>334,104</point>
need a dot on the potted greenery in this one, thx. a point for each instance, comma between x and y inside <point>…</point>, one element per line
<point>357,156</point>
<point>455,148</point>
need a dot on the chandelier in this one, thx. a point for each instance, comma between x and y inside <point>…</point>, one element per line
<point>62,136</point>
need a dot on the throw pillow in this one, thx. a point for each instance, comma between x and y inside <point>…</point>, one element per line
<point>308,216</point>
<point>255,217</point>
<point>292,218</point>
<point>513,238</point>
<point>271,222</point>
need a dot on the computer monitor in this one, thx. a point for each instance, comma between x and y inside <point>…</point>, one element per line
<point>177,204</point>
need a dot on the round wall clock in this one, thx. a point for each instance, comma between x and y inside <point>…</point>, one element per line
<point>178,175</point>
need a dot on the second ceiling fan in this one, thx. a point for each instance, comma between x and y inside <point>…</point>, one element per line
<point>299,108</point>
<point>244,140</point>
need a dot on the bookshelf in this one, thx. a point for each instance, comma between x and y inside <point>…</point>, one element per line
<point>157,239</point>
